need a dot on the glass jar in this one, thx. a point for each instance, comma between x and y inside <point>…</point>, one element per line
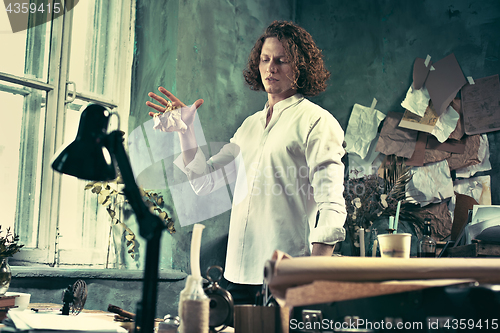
<point>5,275</point>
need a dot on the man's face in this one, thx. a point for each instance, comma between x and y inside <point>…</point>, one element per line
<point>275,69</point>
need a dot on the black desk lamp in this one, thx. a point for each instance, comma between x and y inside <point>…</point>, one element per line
<point>92,156</point>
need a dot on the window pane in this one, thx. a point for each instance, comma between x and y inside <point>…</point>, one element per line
<point>31,44</point>
<point>30,161</point>
<point>92,59</point>
<point>10,129</point>
<point>83,224</point>
<point>70,208</point>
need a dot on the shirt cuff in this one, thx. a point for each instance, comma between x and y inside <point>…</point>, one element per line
<point>330,229</point>
<point>197,165</point>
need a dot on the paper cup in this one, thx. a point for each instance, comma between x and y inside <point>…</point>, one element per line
<point>394,245</point>
<point>22,300</point>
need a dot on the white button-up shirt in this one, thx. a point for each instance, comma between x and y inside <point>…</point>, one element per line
<point>284,174</point>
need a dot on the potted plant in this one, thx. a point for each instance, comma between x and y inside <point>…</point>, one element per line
<point>370,197</point>
<point>9,245</point>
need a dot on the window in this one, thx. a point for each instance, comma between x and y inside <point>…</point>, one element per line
<point>50,71</point>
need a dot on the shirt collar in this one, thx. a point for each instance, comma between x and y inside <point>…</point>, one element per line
<point>280,107</point>
<point>284,104</point>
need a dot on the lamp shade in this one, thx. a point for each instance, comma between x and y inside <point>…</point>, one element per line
<point>87,157</point>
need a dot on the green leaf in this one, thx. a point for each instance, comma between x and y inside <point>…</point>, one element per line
<point>89,185</point>
<point>96,189</point>
<point>101,199</point>
<point>111,212</point>
<point>105,192</point>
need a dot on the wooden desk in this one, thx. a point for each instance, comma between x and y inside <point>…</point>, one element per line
<point>52,307</point>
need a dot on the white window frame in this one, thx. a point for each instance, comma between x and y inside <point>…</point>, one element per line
<point>43,247</point>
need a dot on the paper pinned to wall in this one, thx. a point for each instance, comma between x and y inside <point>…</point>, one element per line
<point>478,188</point>
<point>362,129</point>
<point>434,155</point>
<point>483,155</point>
<point>470,155</point>
<point>456,141</point>
<point>446,124</point>
<point>481,105</point>
<point>416,101</point>
<point>418,157</point>
<point>361,167</point>
<point>421,68</point>
<point>459,131</point>
<point>431,183</point>
<point>395,140</point>
<point>452,146</point>
<point>420,115</point>
<point>444,82</point>
<point>415,122</point>
<point>441,219</point>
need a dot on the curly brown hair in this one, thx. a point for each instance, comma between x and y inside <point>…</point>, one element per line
<point>306,59</point>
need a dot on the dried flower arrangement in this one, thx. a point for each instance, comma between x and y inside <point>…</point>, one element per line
<point>9,244</point>
<point>110,195</point>
<point>370,197</point>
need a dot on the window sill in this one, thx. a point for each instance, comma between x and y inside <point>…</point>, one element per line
<point>89,273</point>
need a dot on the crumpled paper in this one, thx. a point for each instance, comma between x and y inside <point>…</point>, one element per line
<point>170,121</point>
<point>433,155</point>
<point>459,131</point>
<point>470,155</point>
<point>441,219</point>
<point>417,102</point>
<point>446,124</point>
<point>361,167</point>
<point>483,155</point>
<point>362,129</point>
<point>478,188</point>
<point>431,183</point>
<point>394,140</point>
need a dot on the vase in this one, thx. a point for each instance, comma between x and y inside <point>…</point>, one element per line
<point>5,275</point>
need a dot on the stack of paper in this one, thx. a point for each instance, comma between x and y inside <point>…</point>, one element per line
<point>28,321</point>
<point>484,225</point>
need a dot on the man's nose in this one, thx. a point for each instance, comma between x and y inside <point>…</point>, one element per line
<point>271,68</point>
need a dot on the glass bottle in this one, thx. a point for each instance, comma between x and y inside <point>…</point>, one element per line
<point>5,275</point>
<point>427,245</point>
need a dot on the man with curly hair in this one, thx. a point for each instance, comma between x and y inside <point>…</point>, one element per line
<point>286,161</point>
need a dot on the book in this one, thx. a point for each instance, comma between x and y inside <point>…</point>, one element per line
<point>7,301</point>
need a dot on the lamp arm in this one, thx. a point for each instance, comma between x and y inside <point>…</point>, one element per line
<point>150,228</point>
<point>149,223</point>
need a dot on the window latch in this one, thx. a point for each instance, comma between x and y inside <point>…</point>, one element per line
<point>73,93</point>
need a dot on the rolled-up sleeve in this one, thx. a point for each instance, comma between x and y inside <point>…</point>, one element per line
<point>324,153</point>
